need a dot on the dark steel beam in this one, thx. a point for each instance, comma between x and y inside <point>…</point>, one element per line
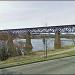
<point>48,29</point>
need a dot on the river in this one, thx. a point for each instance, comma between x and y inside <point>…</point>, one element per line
<point>38,43</point>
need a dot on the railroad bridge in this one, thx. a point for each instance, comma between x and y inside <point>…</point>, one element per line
<point>11,34</point>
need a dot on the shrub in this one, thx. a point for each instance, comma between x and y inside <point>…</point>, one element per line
<point>3,53</point>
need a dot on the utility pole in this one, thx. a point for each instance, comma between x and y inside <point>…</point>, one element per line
<point>46,42</point>
<point>46,47</point>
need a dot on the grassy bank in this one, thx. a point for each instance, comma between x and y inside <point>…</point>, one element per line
<point>37,56</point>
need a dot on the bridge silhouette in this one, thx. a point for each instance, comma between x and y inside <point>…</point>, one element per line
<point>10,34</point>
<point>48,29</point>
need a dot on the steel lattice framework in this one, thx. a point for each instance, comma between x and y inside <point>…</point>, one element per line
<point>49,29</point>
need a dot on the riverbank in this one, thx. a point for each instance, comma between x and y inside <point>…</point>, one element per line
<point>38,56</point>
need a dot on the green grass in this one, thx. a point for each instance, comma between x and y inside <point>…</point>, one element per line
<point>35,57</point>
<point>63,55</point>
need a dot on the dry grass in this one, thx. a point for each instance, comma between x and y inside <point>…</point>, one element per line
<point>35,57</point>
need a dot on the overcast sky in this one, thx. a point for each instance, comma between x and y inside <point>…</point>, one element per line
<point>24,14</point>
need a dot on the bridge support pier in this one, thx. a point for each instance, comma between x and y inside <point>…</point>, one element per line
<point>28,43</point>
<point>57,42</point>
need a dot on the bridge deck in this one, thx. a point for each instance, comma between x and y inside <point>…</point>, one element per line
<point>48,29</point>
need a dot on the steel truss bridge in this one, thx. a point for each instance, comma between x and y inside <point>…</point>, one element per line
<point>49,29</point>
<point>11,34</point>
<point>7,36</point>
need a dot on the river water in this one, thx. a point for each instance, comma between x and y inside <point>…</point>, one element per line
<point>38,43</point>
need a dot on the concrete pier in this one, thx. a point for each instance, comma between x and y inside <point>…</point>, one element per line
<point>57,42</point>
<point>28,43</point>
